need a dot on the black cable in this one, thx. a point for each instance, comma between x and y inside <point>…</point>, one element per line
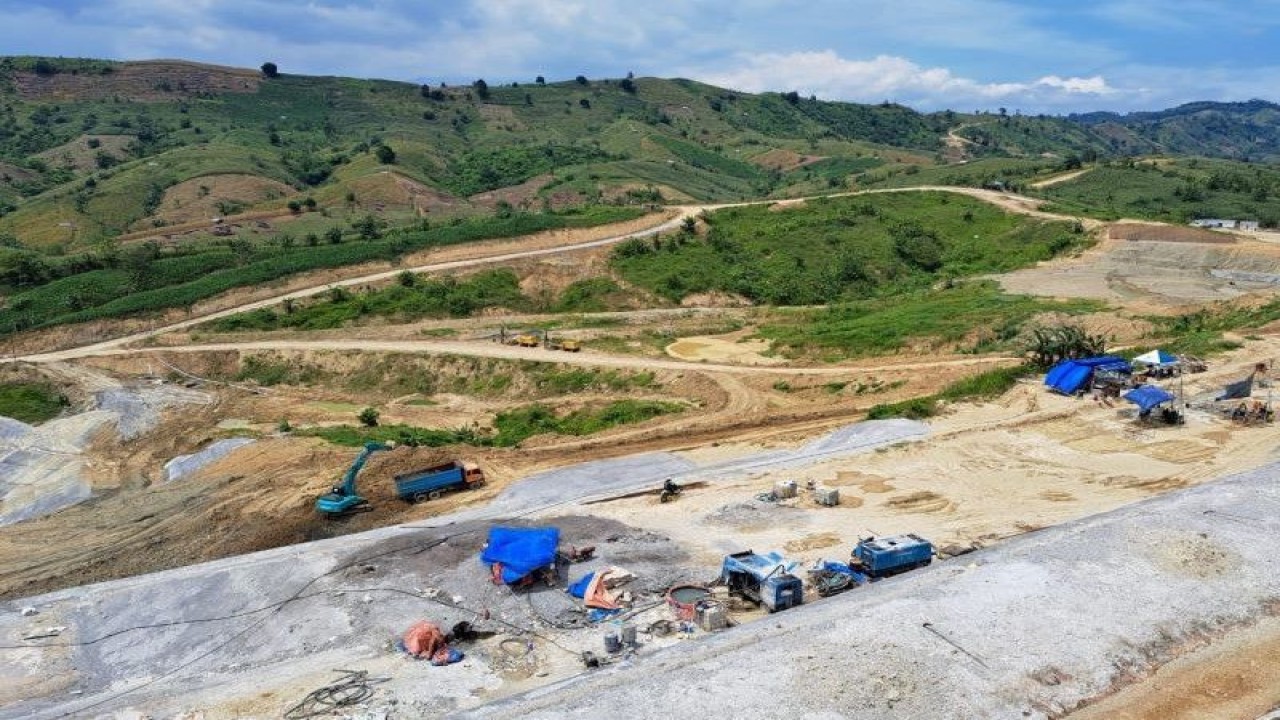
<point>352,688</point>
<point>276,607</point>
<point>247,629</point>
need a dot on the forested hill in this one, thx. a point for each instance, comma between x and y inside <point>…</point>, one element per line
<point>1240,131</point>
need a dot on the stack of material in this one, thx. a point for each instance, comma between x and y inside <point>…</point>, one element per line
<point>711,615</point>
<point>784,489</point>
<point>827,497</point>
<point>596,591</point>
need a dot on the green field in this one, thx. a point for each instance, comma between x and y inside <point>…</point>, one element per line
<point>510,428</point>
<point>31,402</point>
<point>971,317</point>
<point>1172,191</point>
<point>841,249</point>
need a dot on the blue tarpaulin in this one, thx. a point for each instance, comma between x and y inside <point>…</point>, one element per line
<point>1147,397</point>
<point>1069,376</point>
<point>579,589</point>
<point>520,551</point>
<point>1156,357</point>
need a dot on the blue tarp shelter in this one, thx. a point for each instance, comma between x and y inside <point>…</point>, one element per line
<point>1147,397</point>
<point>519,551</point>
<point>1157,357</point>
<point>1069,376</point>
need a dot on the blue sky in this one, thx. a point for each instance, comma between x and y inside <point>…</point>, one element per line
<point>1029,56</point>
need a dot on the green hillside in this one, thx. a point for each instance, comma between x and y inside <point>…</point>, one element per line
<point>1172,190</point>
<point>61,185</point>
<point>130,187</point>
<point>841,249</point>
<point>92,150</point>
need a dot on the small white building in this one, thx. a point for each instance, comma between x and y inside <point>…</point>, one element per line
<point>1221,224</point>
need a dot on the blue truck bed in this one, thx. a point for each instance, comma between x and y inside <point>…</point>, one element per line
<point>431,483</point>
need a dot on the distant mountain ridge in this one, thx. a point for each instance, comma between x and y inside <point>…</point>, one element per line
<point>1235,130</point>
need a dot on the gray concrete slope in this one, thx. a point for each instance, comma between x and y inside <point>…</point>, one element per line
<point>155,638</point>
<point>1024,630</point>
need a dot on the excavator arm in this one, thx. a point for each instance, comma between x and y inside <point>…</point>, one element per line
<point>343,498</point>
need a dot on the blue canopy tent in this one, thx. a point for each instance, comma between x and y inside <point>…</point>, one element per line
<point>1147,397</point>
<point>515,553</point>
<point>1069,376</point>
<point>1157,357</point>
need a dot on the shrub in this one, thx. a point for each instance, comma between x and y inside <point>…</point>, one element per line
<point>31,402</point>
<point>368,417</point>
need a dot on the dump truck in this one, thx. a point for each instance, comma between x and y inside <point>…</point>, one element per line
<point>430,483</point>
<point>882,557</point>
<point>526,340</point>
<point>762,579</point>
<point>566,345</point>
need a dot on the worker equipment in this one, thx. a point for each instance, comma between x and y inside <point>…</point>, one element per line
<point>670,490</point>
<point>891,555</point>
<point>762,579</point>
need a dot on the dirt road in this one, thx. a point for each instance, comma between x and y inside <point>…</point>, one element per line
<point>509,352</point>
<point>670,221</point>
<point>1057,179</point>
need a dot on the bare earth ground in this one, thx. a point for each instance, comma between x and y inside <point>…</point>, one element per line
<point>1236,677</point>
<point>988,472</point>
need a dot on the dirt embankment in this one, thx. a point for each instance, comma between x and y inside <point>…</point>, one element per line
<point>143,81</point>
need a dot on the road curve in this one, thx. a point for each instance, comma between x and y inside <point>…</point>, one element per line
<point>501,352</point>
<point>98,348</point>
<point>1014,203</point>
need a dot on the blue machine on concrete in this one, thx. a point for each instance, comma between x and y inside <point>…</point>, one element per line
<point>343,498</point>
<point>763,579</point>
<point>891,555</point>
<point>432,482</point>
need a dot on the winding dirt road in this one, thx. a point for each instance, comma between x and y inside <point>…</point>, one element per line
<point>667,222</point>
<point>512,352</point>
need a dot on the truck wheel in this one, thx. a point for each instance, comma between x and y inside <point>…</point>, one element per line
<point>419,497</point>
<point>478,483</point>
<point>434,495</point>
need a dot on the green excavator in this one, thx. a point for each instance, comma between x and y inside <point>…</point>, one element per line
<point>343,499</point>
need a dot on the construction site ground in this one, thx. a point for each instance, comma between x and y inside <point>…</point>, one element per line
<point>264,620</point>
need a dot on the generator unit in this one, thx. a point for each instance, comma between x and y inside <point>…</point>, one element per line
<point>882,557</point>
<point>762,579</point>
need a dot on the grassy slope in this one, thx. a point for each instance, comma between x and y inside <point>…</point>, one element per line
<point>1173,191</point>
<point>840,248</point>
<point>686,139</point>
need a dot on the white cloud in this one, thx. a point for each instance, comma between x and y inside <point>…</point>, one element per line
<point>888,77</point>
<point>1095,85</point>
<point>1095,54</point>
